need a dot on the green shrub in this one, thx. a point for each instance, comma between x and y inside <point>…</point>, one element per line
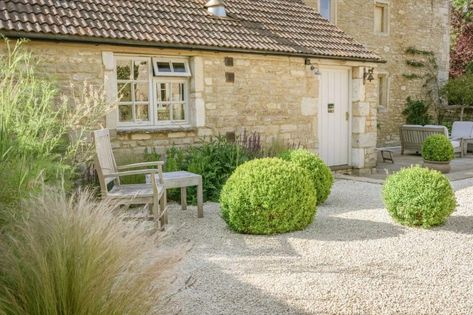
<point>417,112</point>
<point>437,148</point>
<point>319,172</point>
<point>268,196</point>
<point>419,197</point>
<point>77,256</point>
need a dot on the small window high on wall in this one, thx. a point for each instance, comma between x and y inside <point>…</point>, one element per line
<point>381,18</point>
<point>383,91</point>
<point>327,9</point>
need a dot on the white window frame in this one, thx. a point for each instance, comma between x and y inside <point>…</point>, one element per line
<point>159,80</point>
<point>149,122</point>
<point>385,21</point>
<point>155,77</point>
<point>157,73</point>
<point>333,10</point>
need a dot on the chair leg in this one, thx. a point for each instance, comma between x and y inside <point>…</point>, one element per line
<point>184,198</point>
<point>154,210</point>
<point>164,210</point>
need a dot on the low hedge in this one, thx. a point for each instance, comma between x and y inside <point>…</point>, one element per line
<point>437,148</point>
<point>267,196</point>
<point>320,174</point>
<point>418,196</point>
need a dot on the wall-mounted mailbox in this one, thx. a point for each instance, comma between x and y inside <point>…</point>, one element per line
<point>331,107</point>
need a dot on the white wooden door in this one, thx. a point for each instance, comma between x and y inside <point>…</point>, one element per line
<point>334,116</point>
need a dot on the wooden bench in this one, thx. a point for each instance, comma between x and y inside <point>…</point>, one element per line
<point>413,137</point>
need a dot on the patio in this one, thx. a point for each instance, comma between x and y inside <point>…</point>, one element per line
<point>462,168</point>
<point>352,260</point>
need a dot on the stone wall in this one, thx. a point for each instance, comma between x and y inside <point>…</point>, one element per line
<point>276,96</point>
<point>423,24</point>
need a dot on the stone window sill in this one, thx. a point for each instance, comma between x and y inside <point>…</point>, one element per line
<point>160,129</point>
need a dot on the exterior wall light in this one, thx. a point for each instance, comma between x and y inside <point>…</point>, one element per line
<point>313,67</point>
<point>368,75</point>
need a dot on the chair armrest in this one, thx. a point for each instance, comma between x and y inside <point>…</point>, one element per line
<point>144,164</point>
<point>135,172</point>
<point>158,170</point>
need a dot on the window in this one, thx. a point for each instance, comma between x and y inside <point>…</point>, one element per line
<point>381,18</point>
<point>133,85</point>
<point>166,67</point>
<point>327,9</point>
<point>152,91</point>
<point>383,91</point>
<point>171,99</point>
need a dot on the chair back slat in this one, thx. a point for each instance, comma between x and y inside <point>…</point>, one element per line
<point>104,160</point>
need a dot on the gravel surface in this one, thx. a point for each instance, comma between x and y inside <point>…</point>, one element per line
<point>352,260</point>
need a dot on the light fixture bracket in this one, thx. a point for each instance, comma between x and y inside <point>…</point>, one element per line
<point>368,75</point>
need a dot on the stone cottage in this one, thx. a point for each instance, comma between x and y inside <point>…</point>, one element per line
<point>389,28</point>
<point>184,69</point>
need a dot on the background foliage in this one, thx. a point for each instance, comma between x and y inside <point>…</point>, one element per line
<point>43,134</point>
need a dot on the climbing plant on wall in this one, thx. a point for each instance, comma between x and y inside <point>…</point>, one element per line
<point>423,66</point>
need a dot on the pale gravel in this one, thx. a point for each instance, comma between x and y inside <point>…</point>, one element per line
<point>352,260</point>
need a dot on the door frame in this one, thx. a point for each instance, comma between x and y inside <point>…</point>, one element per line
<point>349,70</point>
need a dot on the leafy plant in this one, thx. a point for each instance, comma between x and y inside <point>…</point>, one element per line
<point>459,91</point>
<point>319,172</point>
<point>417,196</point>
<point>267,196</point>
<point>78,256</point>
<point>43,135</point>
<point>416,112</point>
<point>461,53</point>
<point>424,64</point>
<point>214,158</point>
<point>437,148</point>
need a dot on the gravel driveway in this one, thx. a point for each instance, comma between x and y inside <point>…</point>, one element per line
<point>352,260</point>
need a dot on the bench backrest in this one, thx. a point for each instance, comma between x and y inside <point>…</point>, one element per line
<point>416,135</point>
<point>104,160</point>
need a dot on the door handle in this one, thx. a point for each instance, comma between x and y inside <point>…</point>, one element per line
<point>347,116</point>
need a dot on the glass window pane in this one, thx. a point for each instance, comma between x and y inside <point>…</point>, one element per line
<point>325,9</point>
<point>164,66</point>
<point>163,112</point>
<point>183,91</point>
<point>178,112</point>
<point>179,67</point>
<point>177,92</point>
<point>142,112</point>
<point>123,69</point>
<point>125,112</point>
<point>163,92</point>
<point>124,92</point>
<point>141,70</point>
<point>141,92</point>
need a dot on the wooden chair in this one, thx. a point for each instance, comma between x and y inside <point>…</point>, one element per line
<point>152,195</point>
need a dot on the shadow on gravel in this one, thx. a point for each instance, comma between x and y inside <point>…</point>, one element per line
<point>459,224</point>
<point>213,290</point>
<point>346,230</point>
